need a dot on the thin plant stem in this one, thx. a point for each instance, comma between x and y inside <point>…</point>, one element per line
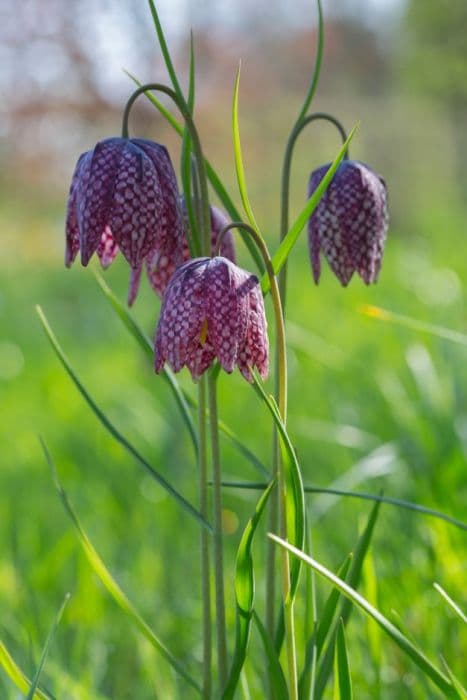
<point>282,404</point>
<point>218,538</point>
<point>205,541</point>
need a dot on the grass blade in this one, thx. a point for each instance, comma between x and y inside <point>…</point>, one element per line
<point>16,675</point>
<point>319,637</point>
<point>111,585</point>
<point>244,594</point>
<point>238,156</point>
<point>295,506</point>
<point>450,602</point>
<point>342,679</point>
<point>413,323</point>
<point>423,663</point>
<point>111,428</point>
<point>282,252</point>
<point>460,690</point>
<point>165,51</point>
<point>399,503</point>
<point>278,682</point>
<point>45,651</point>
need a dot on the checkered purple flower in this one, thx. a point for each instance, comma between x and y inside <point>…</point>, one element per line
<point>162,264</point>
<point>212,309</point>
<point>124,196</point>
<point>350,223</point>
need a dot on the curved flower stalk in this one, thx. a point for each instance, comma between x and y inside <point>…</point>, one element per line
<point>162,265</point>
<point>123,196</point>
<point>212,309</point>
<point>350,223</point>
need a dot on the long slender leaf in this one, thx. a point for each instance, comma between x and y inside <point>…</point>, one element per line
<point>165,50</point>
<point>342,679</point>
<point>244,594</point>
<point>295,497</point>
<point>307,679</point>
<point>16,675</point>
<point>45,651</point>
<point>413,323</point>
<point>408,505</point>
<point>238,156</point>
<point>317,66</point>
<point>212,175</point>
<point>461,691</point>
<point>111,585</point>
<point>354,575</point>
<point>450,602</point>
<point>279,684</point>
<point>423,663</point>
<point>323,628</point>
<point>183,398</point>
<point>112,429</point>
<point>284,249</point>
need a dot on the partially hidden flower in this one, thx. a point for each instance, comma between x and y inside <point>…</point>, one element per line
<point>350,223</point>
<point>124,196</point>
<point>161,265</point>
<point>212,309</point>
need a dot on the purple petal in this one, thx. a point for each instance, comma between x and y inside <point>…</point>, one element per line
<point>133,288</point>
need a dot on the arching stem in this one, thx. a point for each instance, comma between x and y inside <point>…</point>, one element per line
<point>197,151</point>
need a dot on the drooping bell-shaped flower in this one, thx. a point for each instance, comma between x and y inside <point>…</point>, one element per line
<point>350,223</point>
<point>161,266</point>
<point>123,196</point>
<point>212,309</point>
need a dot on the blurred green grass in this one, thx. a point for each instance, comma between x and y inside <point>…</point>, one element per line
<point>358,387</point>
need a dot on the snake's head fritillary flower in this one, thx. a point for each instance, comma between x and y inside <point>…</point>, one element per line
<point>350,223</point>
<point>162,264</point>
<point>212,309</point>
<point>123,196</point>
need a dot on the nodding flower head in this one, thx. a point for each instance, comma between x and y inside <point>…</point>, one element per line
<point>212,309</point>
<point>123,196</point>
<point>162,264</point>
<point>350,223</point>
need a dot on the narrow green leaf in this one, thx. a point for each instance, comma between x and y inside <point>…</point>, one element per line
<point>413,323</point>
<point>111,585</point>
<point>307,679</point>
<point>317,66</point>
<point>16,675</point>
<point>355,571</point>
<point>183,398</point>
<point>111,428</point>
<point>244,594</point>
<point>342,679</point>
<point>424,510</point>
<point>450,602</point>
<point>459,688</point>
<point>45,651</point>
<point>238,156</point>
<point>278,682</point>
<point>165,51</point>
<point>284,249</point>
<point>212,175</point>
<point>295,498</point>
<point>318,638</point>
<point>370,590</point>
<point>423,663</point>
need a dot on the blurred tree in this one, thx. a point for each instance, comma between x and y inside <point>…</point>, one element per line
<point>437,61</point>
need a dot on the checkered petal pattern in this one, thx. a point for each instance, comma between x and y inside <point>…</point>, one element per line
<point>124,196</point>
<point>212,309</point>
<point>350,223</point>
<point>161,265</point>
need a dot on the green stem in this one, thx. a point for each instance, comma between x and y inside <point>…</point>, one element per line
<point>196,143</point>
<point>218,539</point>
<point>205,541</point>
<point>282,404</point>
